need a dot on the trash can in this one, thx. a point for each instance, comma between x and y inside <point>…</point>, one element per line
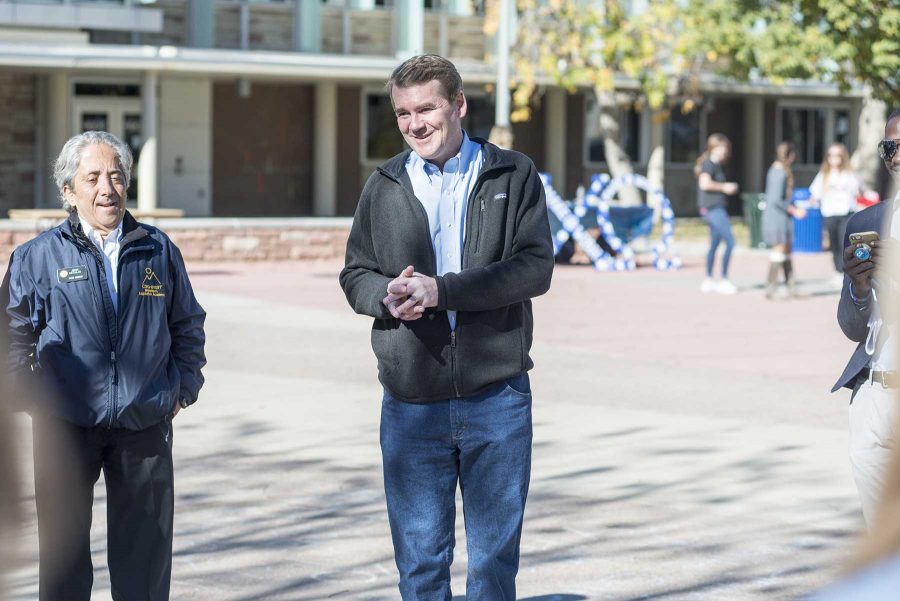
<point>754,205</point>
<point>807,231</point>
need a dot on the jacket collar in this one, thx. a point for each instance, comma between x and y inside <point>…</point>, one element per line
<point>494,158</point>
<point>131,229</point>
<point>883,218</point>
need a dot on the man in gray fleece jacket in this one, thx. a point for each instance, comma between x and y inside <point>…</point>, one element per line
<point>450,242</point>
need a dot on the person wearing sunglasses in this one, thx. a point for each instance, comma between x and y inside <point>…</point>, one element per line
<point>873,372</point>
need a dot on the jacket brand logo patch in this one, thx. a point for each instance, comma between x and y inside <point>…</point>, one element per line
<point>151,286</point>
<point>500,196</point>
<point>72,274</point>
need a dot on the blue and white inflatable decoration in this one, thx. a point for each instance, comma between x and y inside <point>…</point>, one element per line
<point>597,198</point>
<point>664,257</point>
<point>571,225</point>
<point>568,223</point>
<point>559,212</point>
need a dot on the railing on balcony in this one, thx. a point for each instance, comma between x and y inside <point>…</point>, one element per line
<point>345,27</point>
<point>123,15</point>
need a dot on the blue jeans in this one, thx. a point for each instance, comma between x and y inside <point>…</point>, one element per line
<point>719,231</point>
<point>484,442</point>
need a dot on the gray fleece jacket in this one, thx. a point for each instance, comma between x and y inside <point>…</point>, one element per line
<point>507,260</point>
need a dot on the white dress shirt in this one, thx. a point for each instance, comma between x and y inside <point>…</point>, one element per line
<point>109,250</point>
<point>885,358</point>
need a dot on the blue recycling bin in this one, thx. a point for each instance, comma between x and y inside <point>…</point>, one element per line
<point>807,231</point>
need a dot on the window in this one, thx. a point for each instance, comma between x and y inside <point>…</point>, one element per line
<point>383,139</point>
<point>427,4</point>
<point>684,136</point>
<point>806,129</point>
<point>629,133</point>
<point>479,117</point>
<point>813,128</point>
<point>472,7</point>
<point>107,89</point>
<point>842,127</point>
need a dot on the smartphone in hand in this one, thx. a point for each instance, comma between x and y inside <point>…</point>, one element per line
<point>865,240</point>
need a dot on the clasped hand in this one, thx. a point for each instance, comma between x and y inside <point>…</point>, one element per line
<point>409,294</point>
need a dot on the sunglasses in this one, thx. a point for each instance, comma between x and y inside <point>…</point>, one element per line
<point>887,149</point>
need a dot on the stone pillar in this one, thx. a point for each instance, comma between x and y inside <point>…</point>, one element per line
<point>865,159</point>
<point>501,110</point>
<point>58,129</point>
<point>409,26</point>
<point>308,26</point>
<point>656,162</point>
<point>325,151</point>
<point>148,164</point>
<point>754,151</point>
<point>201,23</point>
<point>555,136</point>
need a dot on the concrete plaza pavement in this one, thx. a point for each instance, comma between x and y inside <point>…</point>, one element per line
<point>686,445</point>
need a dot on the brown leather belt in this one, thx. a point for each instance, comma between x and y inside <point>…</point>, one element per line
<point>888,379</point>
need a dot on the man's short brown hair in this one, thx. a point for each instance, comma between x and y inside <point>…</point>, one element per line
<point>423,69</point>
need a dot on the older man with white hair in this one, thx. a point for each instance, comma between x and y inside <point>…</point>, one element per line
<point>101,318</point>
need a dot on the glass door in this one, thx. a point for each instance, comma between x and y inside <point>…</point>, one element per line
<point>119,116</point>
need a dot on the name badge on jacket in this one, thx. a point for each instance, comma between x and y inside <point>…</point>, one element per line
<point>71,274</point>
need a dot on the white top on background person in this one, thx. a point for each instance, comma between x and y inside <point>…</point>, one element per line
<point>836,187</point>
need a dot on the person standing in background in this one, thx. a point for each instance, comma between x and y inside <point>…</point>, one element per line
<point>449,244</point>
<point>777,227</point>
<point>712,200</point>
<point>835,190</point>
<point>864,317</point>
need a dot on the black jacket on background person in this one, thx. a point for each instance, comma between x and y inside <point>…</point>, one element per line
<point>507,259</point>
<point>95,366</point>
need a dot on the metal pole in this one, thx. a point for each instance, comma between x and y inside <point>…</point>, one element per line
<point>244,18</point>
<point>148,163</point>
<point>501,114</point>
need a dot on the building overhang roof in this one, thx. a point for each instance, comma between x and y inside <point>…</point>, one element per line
<point>217,62</point>
<point>257,64</point>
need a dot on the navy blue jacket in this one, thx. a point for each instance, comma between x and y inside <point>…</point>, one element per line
<point>92,365</point>
<point>854,322</point>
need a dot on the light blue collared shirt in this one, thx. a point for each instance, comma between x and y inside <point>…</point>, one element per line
<point>445,196</point>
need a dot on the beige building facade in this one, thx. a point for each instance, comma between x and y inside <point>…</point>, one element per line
<point>278,109</point>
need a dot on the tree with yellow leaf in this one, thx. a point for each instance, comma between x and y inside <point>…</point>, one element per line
<point>599,47</point>
<point>658,56</point>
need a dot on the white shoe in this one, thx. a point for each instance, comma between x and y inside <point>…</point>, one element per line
<point>708,285</point>
<point>726,287</point>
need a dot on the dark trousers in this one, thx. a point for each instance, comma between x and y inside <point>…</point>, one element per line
<point>137,467</point>
<point>836,226</point>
